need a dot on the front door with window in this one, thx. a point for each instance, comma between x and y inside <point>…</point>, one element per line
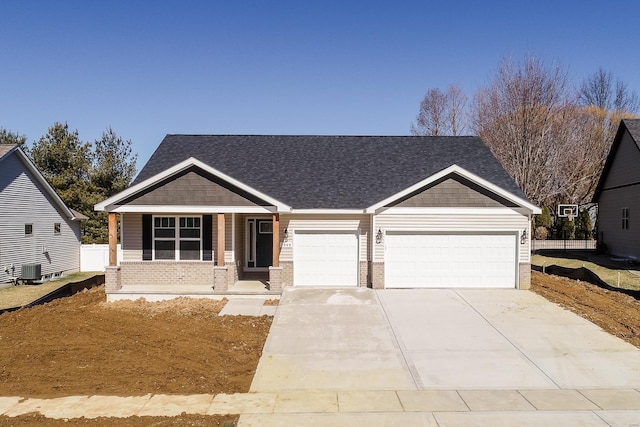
<point>259,234</point>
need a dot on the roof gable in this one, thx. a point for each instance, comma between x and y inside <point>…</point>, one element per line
<point>330,172</point>
<point>7,151</point>
<point>452,191</point>
<point>122,202</point>
<point>193,187</point>
<point>621,167</point>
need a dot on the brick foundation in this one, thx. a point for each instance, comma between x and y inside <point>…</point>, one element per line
<point>112,279</point>
<point>377,275</point>
<point>364,274</point>
<point>275,279</point>
<point>232,273</point>
<point>525,275</point>
<point>167,273</point>
<point>287,273</point>
<point>221,278</point>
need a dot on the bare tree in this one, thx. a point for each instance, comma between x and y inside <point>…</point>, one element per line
<point>431,118</point>
<point>456,109</point>
<point>602,91</point>
<point>441,113</point>
<point>516,116</point>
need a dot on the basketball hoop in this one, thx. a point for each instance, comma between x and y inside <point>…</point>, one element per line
<point>567,211</point>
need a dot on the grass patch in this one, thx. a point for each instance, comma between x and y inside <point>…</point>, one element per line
<point>619,278</point>
<point>17,296</point>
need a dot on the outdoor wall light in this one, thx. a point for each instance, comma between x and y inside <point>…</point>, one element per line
<point>523,237</point>
<point>286,234</point>
<point>379,236</point>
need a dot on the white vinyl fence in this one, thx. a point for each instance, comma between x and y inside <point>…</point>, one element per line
<point>96,257</point>
<point>564,245</point>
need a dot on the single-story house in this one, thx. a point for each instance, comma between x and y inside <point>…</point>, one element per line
<point>376,211</point>
<point>618,194</point>
<point>37,230</point>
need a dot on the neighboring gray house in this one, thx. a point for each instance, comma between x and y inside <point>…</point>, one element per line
<point>377,211</point>
<point>35,225</point>
<point>618,194</point>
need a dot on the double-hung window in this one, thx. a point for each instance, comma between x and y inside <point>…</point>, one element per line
<point>625,218</point>
<point>177,238</point>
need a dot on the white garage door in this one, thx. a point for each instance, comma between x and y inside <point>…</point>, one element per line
<point>450,261</point>
<point>325,259</point>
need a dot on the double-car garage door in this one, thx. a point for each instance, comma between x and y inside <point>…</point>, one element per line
<point>428,260</point>
<point>411,259</point>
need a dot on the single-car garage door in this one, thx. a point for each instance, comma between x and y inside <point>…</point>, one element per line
<point>413,260</point>
<point>325,259</point>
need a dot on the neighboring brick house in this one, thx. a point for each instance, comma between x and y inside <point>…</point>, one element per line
<point>618,194</point>
<point>378,211</point>
<point>35,225</point>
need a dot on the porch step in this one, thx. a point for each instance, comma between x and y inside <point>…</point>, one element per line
<point>247,307</point>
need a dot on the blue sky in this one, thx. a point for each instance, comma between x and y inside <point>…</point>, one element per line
<point>148,68</point>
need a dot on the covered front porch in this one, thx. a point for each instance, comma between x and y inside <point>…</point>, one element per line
<point>238,256</point>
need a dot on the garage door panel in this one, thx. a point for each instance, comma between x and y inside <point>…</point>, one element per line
<point>325,259</point>
<point>450,260</point>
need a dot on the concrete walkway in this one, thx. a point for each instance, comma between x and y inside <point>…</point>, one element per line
<point>619,407</point>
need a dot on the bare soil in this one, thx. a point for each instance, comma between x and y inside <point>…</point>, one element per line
<point>83,346</point>
<point>615,312</point>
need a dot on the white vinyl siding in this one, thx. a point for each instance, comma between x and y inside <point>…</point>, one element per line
<point>326,223</point>
<point>24,201</point>
<point>456,222</point>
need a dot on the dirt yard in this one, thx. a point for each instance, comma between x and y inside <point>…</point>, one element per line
<point>83,346</point>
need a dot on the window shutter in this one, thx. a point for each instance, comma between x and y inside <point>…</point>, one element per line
<point>147,237</point>
<point>207,244</point>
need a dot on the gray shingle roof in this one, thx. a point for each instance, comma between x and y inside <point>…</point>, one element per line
<point>330,172</point>
<point>5,148</point>
<point>633,125</point>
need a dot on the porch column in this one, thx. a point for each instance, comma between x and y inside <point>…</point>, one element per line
<point>113,239</point>
<point>221,239</point>
<point>276,240</point>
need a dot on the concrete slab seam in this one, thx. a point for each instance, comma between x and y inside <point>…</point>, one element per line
<point>586,397</point>
<point>463,401</point>
<point>404,352</point>
<point>506,338</point>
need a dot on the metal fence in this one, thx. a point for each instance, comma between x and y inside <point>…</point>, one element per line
<point>564,245</point>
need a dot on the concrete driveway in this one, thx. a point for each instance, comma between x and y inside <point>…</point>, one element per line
<point>361,339</point>
<point>438,358</point>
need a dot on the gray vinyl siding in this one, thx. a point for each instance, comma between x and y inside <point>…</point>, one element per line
<point>190,189</point>
<point>131,239</point>
<point>455,223</point>
<point>454,192</point>
<point>621,189</point>
<point>624,170</point>
<point>620,242</point>
<point>24,201</point>
<point>327,223</point>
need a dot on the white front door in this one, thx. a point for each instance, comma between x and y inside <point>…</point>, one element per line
<point>450,260</point>
<point>325,258</point>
